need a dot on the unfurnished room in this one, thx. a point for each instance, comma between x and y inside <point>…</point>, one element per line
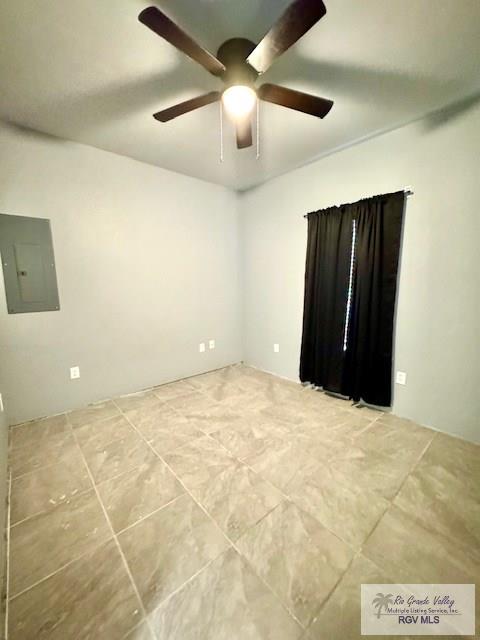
<point>239,319</point>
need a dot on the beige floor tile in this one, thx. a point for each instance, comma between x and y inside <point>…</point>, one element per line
<point>340,503</point>
<point>38,431</point>
<point>395,421</point>
<point>102,432</point>
<point>48,486</point>
<point>91,598</point>
<point>160,421</point>
<point>318,443</point>
<point>225,601</point>
<point>237,498</point>
<point>92,413</point>
<point>174,435</point>
<point>411,554</point>
<point>193,401</point>
<point>137,493</point>
<point>205,381</point>
<point>251,437</point>
<point>282,462</point>
<point>44,543</point>
<point>169,547</point>
<point>45,452</point>
<point>297,557</point>
<point>199,461</point>
<point>148,419</point>
<point>215,417</point>
<point>136,401</point>
<point>458,458</point>
<point>439,501</point>
<point>117,457</point>
<point>142,632</point>
<point>372,471</point>
<point>408,442</point>
<point>349,424</point>
<point>341,467</point>
<point>224,392</point>
<point>294,413</point>
<point>248,401</point>
<point>173,389</point>
<point>340,617</point>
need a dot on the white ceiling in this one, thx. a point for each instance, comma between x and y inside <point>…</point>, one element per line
<point>88,71</point>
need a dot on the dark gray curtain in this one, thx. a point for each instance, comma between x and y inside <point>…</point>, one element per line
<point>364,369</point>
<point>326,282</point>
<point>368,364</point>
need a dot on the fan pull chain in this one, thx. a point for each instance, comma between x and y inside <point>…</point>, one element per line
<point>221,131</point>
<point>258,129</point>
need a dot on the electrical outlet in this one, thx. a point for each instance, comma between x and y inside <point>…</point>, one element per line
<point>211,344</point>
<point>201,347</point>
<point>74,373</point>
<point>1,403</point>
<point>276,347</point>
<point>401,377</point>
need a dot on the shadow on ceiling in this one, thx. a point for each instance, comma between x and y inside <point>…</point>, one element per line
<point>451,112</point>
<point>335,79</point>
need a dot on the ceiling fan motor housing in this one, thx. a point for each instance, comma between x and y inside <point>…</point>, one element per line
<point>240,62</point>
<point>233,54</point>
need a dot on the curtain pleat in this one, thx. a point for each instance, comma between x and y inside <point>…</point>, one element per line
<point>326,280</point>
<point>364,369</point>
<point>368,365</point>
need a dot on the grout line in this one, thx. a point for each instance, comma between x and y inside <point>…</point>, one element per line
<point>391,500</point>
<point>120,550</point>
<point>355,550</point>
<point>64,566</point>
<point>190,579</point>
<point>286,497</point>
<point>85,552</point>
<point>133,524</point>
<point>58,459</point>
<point>7,551</point>
<point>331,592</point>
<point>412,468</point>
<point>231,542</point>
<point>51,508</point>
<point>67,564</point>
<point>41,419</point>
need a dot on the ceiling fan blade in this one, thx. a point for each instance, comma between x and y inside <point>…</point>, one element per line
<point>188,105</point>
<point>313,105</point>
<point>244,132</point>
<point>300,16</point>
<point>158,22</point>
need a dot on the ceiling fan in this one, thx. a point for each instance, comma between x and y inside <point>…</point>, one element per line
<point>239,62</point>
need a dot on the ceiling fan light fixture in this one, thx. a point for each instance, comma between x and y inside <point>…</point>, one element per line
<point>239,100</point>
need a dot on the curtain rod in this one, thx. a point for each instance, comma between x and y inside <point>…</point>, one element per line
<point>407,191</point>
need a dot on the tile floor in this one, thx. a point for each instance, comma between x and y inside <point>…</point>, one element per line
<point>233,505</point>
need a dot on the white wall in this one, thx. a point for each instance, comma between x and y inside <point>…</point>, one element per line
<point>437,336</point>
<point>148,264</point>
<point>148,267</point>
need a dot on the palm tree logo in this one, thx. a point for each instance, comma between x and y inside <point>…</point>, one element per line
<point>382,602</point>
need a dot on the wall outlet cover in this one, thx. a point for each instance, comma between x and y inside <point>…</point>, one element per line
<point>74,373</point>
<point>276,348</point>
<point>1,403</point>
<point>201,347</point>
<point>401,377</point>
<point>211,344</point>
